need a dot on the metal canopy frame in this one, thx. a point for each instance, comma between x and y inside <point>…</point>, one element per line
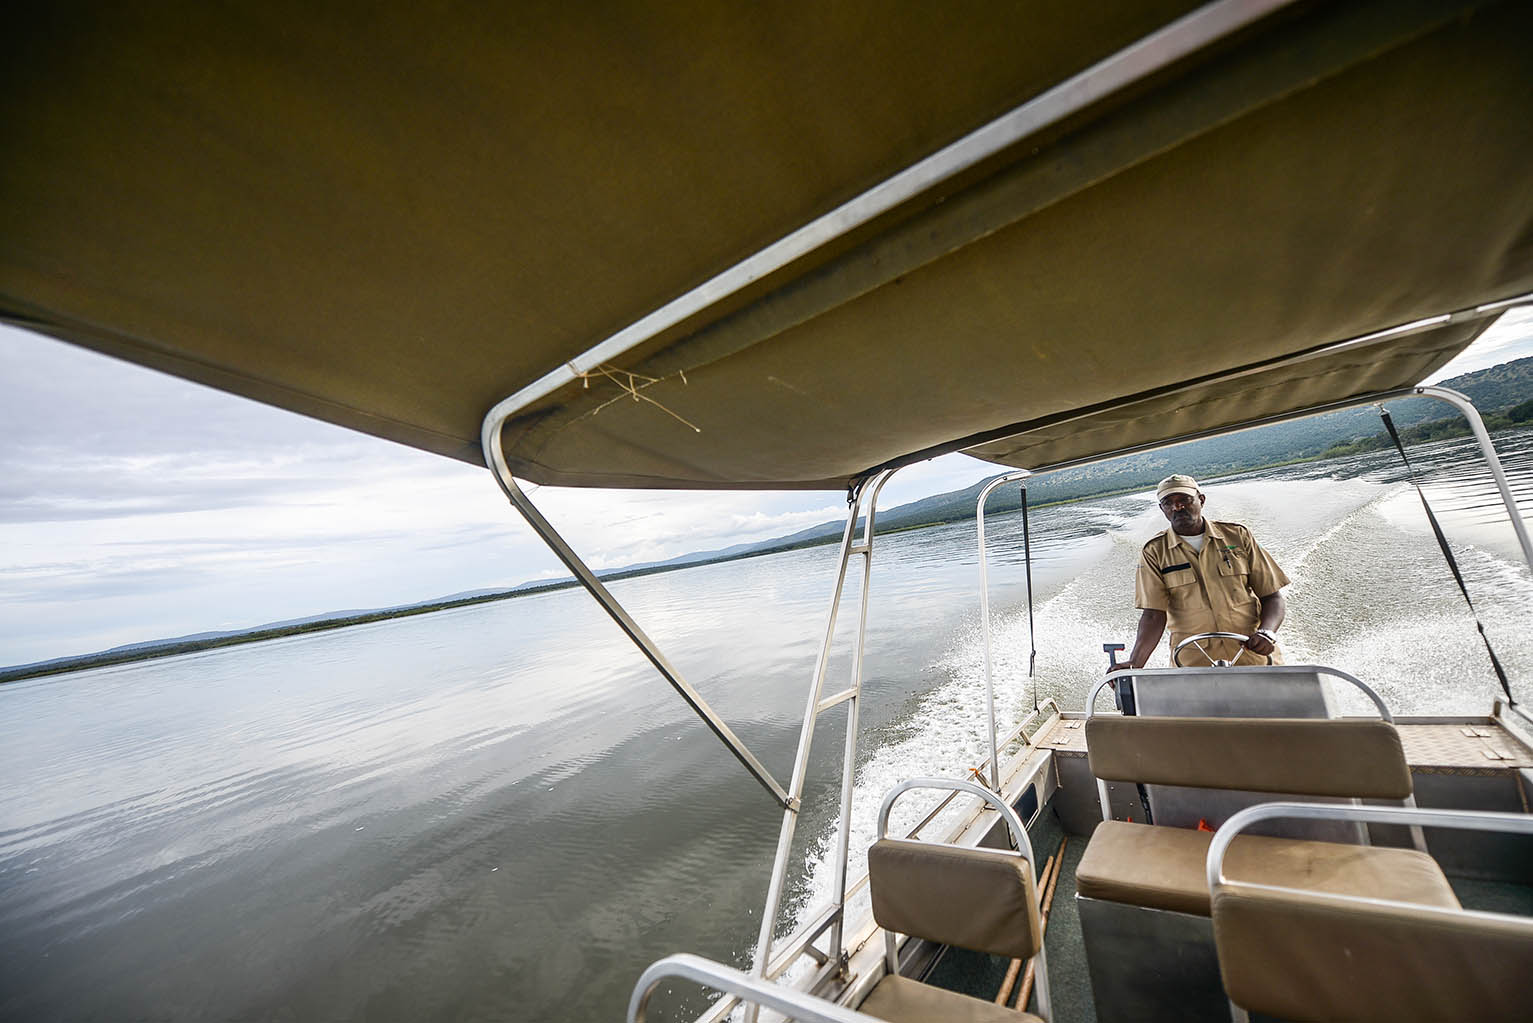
<point>1459,401</point>
<point>862,500</point>
<point>984,612</point>
<point>862,504</point>
<point>624,620</point>
<point>1122,70</point>
<point>1113,75</point>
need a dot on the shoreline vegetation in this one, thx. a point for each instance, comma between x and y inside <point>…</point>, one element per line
<point>941,510</point>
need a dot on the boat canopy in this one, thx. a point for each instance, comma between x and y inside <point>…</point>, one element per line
<point>770,245</point>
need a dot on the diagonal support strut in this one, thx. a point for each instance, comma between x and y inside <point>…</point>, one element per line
<point>583,574</point>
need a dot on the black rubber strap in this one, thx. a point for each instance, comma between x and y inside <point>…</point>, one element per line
<point>1442,541</point>
<point>1027,558</point>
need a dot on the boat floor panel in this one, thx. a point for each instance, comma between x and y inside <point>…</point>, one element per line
<point>1493,896</point>
<point>1458,747</point>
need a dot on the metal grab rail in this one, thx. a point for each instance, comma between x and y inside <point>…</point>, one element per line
<point>1413,817</point>
<point>984,610</point>
<point>794,1004</point>
<point>1476,820</point>
<point>1492,460</point>
<point>1018,830</point>
<point>1265,669</point>
<point>1049,707</point>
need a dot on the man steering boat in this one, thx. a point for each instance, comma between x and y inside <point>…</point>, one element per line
<point>1204,576</point>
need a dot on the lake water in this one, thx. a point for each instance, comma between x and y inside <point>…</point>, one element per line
<point>500,812</point>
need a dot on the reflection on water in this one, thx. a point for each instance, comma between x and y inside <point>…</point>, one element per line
<point>499,812</point>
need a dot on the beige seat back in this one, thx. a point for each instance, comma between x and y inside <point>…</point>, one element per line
<point>979,899</point>
<point>1304,954</point>
<point>1301,955</point>
<point>1313,757</point>
<point>1269,692</point>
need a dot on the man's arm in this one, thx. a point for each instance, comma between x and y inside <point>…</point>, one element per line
<point>1274,608</point>
<point>1152,625</point>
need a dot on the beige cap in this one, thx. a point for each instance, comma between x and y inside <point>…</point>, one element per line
<point>1177,485</point>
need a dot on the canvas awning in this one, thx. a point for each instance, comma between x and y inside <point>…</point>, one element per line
<point>393,218</point>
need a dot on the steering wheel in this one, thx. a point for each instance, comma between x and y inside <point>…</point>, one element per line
<point>1192,641</point>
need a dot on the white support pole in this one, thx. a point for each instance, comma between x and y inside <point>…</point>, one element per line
<point>855,500</point>
<point>556,543</point>
<point>853,715</point>
<point>1477,426</point>
<point>984,615</point>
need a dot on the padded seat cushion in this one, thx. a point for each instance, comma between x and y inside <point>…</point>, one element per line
<point>979,899</point>
<point>901,1000</point>
<point>1165,868</point>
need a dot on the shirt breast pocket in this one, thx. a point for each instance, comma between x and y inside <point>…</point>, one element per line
<point>1234,564</point>
<point>1182,590</point>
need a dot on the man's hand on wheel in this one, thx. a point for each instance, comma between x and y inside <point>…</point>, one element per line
<point>1259,644</point>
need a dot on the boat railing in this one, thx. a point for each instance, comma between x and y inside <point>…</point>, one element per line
<point>739,986</point>
<point>1267,670</point>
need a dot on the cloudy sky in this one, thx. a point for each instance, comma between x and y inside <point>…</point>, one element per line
<point>136,506</point>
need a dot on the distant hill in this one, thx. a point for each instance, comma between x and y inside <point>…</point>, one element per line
<point>1494,390</point>
<point>1497,387</point>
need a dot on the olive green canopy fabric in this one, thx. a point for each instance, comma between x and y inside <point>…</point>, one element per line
<point>1190,409</point>
<point>393,216</point>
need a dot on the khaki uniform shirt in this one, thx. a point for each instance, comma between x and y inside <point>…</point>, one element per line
<point>1218,589</point>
